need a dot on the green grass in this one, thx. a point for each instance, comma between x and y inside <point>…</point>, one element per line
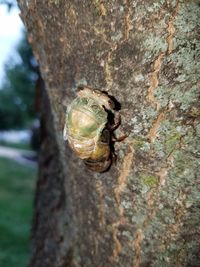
<point>16,198</point>
<point>16,145</point>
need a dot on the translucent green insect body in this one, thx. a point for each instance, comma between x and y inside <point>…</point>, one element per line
<point>86,128</point>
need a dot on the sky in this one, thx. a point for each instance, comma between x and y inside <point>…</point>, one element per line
<point>10,33</point>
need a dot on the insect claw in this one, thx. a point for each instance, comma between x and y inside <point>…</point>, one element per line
<point>117,122</point>
<point>119,139</point>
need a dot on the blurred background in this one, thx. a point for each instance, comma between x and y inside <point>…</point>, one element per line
<point>19,137</point>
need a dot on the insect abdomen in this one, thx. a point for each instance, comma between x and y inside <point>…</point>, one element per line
<point>100,159</point>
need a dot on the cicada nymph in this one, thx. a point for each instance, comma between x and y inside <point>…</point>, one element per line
<point>88,130</point>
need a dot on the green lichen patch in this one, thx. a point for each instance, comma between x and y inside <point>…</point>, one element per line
<point>194,112</point>
<point>172,140</point>
<point>188,18</point>
<point>150,180</point>
<point>162,95</point>
<point>139,218</point>
<point>169,135</point>
<point>141,144</point>
<point>154,45</point>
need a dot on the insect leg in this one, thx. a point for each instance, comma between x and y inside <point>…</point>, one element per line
<point>119,139</point>
<point>117,122</point>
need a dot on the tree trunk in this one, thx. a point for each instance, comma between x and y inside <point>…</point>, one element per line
<point>144,210</point>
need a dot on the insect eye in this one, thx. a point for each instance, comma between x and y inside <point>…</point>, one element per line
<point>95,107</point>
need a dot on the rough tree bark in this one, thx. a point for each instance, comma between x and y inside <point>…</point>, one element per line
<point>144,210</point>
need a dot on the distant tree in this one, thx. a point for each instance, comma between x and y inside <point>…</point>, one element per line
<point>17,92</point>
<point>9,3</point>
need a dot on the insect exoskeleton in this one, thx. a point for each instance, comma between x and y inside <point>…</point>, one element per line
<point>86,128</point>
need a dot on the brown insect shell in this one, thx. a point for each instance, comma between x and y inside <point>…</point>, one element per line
<point>86,120</point>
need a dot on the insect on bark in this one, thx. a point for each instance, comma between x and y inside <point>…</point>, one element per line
<point>88,129</point>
